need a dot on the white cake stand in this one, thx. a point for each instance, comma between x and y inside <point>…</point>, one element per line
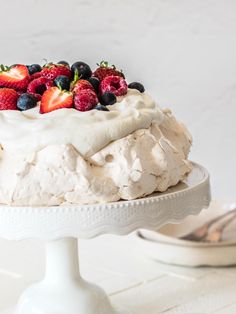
<point>63,291</point>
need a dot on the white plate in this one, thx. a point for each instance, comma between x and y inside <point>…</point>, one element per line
<point>165,245</point>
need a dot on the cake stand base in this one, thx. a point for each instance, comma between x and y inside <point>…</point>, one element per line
<point>63,290</point>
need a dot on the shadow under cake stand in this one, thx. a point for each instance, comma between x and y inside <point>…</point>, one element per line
<point>63,291</point>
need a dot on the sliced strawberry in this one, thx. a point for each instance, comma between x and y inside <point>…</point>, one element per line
<point>8,99</point>
<point>16,77</point>
<point>54,99</point>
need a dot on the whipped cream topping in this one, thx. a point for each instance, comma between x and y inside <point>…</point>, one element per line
<point>137,165</point>
<point>90,131</point>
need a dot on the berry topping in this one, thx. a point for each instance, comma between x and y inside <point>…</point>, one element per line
<point>51,71</point>
<point>39,85</point>
<point>8,99</point>
<point>63,82</point>
<point>94,81</point>
<point>83,69</point>
<point>114,84</point>
<point>101,107</point>
<point>57,85</point>
<point>34,68</point>
<point>138,86</point>
<point>108,99</point>
<point>26,101</point>
<point>64,63</point>
<point>55,98</point>
<point>16,76</point>
<point>85,100</point>
<point>105,70</point>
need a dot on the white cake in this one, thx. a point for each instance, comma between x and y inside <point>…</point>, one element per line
<point>67,156</point>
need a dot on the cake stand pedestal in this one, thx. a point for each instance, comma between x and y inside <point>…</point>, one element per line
<point>63,291</point>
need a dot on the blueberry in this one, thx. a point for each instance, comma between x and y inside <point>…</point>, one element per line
<point>95,83</point>
<point>83,69</point>
<point>26,101</point>
<point>108,99</point>
<point>101,107</point>
<point>63,82</point>
<point>33,68</point>
<point>138,86</point>
<point>64,63</point>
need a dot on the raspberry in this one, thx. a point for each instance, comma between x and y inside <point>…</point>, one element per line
<point>85,100</point>
<point>114,84</point>
<point>39,86</point>
<point>37,96</point>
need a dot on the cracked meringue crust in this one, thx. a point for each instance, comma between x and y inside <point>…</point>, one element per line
<point>75,157</point>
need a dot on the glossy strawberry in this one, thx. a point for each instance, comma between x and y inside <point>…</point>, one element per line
<point>85,100</point>
<point>105,70</point>
<point>51,71</point>
<point>54,98</point>
<point>16,77</point>
<point>8,99</point>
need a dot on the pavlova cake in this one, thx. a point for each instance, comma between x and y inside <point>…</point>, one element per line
<point>70,135</point>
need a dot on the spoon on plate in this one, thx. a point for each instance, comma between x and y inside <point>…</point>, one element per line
<point>212,230</point>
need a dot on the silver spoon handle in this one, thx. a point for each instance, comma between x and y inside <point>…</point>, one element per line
<point>215,235</point>
<point>201,232</point>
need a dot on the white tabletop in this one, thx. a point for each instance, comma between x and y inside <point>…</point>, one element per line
<point>132,280</point>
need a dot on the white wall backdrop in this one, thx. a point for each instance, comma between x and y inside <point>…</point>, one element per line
<point>183,51</point>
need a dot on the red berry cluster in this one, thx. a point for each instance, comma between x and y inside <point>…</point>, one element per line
<point>60,86</point>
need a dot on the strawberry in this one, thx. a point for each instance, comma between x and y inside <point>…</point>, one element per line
<point>81,85</point>
<point>51,71</point>
<point>85,100</point>
<point>8,99</point>
<point>113,84</point>
<point>105,70</point>
<point>16,76</point>
<point>54,99</point>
